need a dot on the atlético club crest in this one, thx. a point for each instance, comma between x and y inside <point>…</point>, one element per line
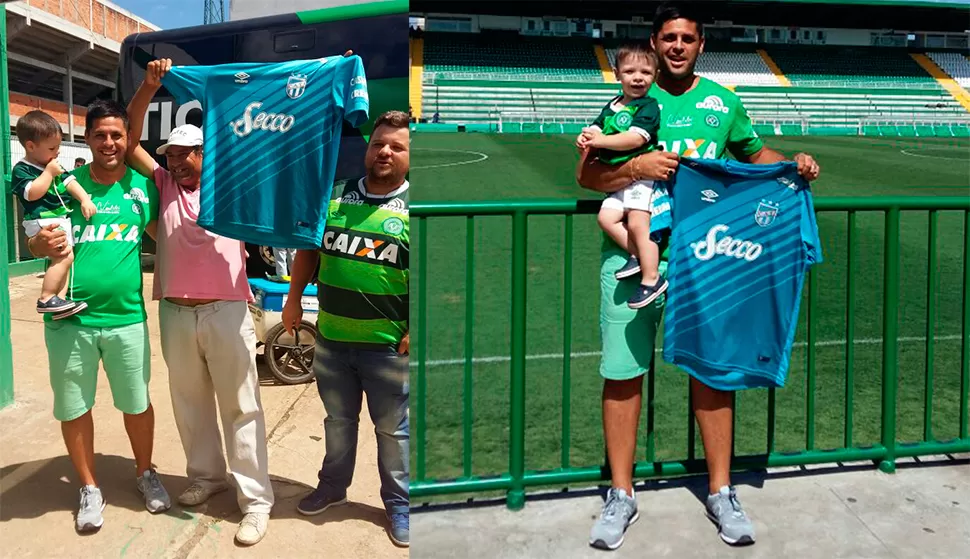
<point>295,86</point>
<point>766,213</point>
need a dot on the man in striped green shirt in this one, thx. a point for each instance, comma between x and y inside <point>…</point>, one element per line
<point>363,344</point>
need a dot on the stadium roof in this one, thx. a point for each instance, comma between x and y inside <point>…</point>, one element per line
<point>906,3</point>
<point>905,15</point>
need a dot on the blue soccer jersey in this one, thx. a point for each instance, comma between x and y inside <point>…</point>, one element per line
<point>743,238</point>
<point>272,134</point>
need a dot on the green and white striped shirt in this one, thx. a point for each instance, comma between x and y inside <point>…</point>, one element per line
<point>363,289</point>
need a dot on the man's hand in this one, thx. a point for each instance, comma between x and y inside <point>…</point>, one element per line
<point>656,165</point>
<point>349,53</point>
<point>292,314</point>
<point>88,209</point>
<point>404,348</point>
<point>156,70</point>
<point>54,168</point>
<point>50,242</point>
<point>807,166</point>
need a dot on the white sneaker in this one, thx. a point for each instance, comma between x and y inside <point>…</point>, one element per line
<point>197,494</point>
<point>252,528</point>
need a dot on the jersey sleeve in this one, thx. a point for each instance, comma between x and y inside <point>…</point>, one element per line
<point>811,242</point>
<point>20,181</point>
<point>742,139</point>
<point>646,121</point>
<point>186,83</point>
<point>600,121</point>
<point>351,95</point>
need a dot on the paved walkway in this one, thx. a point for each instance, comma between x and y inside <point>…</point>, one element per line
<point>39,489</point>
<point>922,511</point>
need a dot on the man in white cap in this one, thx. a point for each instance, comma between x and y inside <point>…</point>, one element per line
<point>208,340</point>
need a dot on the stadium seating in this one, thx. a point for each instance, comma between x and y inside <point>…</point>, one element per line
<point>727,68</point>
<point>506,56</point>
<point>954,64</point>
<point>839,66</point>
<point>775,110</point>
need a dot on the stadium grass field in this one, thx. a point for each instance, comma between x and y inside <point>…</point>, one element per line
<point>469,167</point>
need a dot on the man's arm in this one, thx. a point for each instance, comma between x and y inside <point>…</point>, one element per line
<point>137,157</point>
<point>593,175</point>
<point>152,229</point>
<point>807,166</point>
<point>304,264</point>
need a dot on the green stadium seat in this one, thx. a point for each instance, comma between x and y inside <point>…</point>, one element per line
<point>924,130</point>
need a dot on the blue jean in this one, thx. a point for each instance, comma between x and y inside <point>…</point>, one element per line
<point>344,375</point>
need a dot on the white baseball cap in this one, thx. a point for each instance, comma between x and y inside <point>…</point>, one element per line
<point>187,135</point>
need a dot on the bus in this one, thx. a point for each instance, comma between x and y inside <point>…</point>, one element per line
<point>376,31</point>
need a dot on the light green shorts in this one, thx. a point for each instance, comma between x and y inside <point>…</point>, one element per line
<point>75,353</point>
<point>628,335</point>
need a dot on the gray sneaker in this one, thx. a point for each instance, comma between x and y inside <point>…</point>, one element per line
<point>619,512</point>
<point>89,512</point>
<point>724,510</point>
<point>156,498</point>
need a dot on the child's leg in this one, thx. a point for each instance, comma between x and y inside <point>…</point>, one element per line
<point>610,220</point>
<point>648,252</point>
<point>55,279</point>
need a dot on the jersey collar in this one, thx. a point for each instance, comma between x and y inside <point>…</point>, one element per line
<point>396,192</point>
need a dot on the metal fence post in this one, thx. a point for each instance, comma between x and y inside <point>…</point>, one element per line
<point>516,495</point>
<point>890,344</point>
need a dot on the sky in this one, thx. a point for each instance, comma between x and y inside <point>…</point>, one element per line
<point>167,14</point>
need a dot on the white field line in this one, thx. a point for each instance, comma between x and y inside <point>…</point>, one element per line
<point>481,157</point>
<point>581,354</point>
<point>905,152</point>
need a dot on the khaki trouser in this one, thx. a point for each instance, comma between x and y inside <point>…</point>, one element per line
<point>210,351</point>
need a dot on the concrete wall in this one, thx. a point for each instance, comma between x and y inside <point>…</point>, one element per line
<point>513,23</point>
<point>21,104</point>
<point>103,18</point>
<point>246,9</point>
<point>858,37</point>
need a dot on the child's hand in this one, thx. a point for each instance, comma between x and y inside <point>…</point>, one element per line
<point>593,137</point>
<point>54,168</point>
<point>88,209</point>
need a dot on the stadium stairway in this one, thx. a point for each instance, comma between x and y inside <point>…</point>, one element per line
<point>605,62</point>
<point>766,58</point>
<point>414,83</point>
<point>944,79</point>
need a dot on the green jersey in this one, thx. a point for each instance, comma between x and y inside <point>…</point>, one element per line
<point>363,288</point>
<point>107,249</point>
<point>640,115</point>
<point>705,121</point>
<point>51,204</point>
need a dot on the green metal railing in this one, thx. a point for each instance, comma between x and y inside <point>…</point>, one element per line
<point>7,242</point>
<point>515,481</point>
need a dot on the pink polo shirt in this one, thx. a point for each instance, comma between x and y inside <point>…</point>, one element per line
<point>192,263</point>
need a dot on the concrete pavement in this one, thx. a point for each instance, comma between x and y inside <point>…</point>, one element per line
<point>39,489</point>
<point>824,512</point>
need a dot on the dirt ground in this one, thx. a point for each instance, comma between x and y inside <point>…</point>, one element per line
<point>39,489</point>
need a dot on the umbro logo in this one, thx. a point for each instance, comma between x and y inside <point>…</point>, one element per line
<point>241,77</point>
<point>709,196</point>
